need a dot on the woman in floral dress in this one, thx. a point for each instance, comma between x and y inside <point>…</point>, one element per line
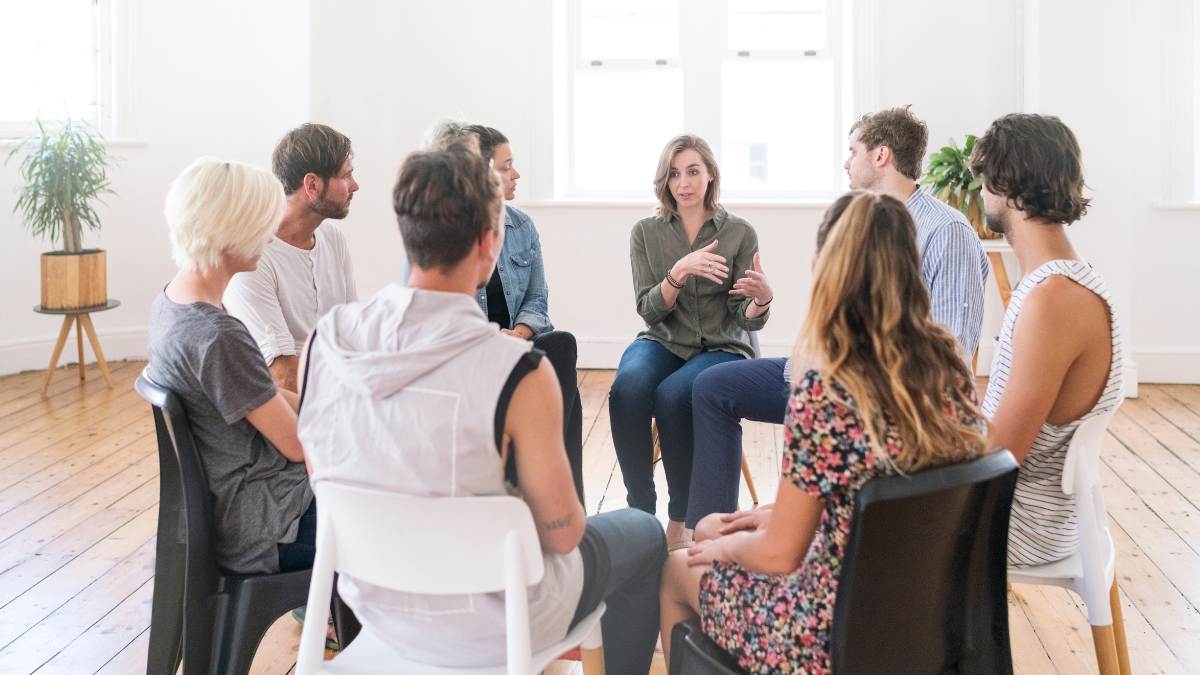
<point>885,390</point>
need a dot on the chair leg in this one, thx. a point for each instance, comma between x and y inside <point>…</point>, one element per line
<point>1106,650</point>
<point>1114,599</point>
<point>657,445</point>
<point>749,481</point>
<point>593,661</point>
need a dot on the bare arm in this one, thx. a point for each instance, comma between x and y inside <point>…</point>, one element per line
<point>284,372</point>
<point>276,419</point>
<point>1044,345</point>
<point>534,425</point>
<point>780,547</point>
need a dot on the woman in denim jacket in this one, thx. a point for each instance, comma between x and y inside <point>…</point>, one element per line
<point>516,298</point>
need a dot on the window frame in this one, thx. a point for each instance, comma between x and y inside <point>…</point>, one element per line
<point>699,25</point>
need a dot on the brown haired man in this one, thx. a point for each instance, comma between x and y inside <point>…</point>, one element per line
<point>306,268</point>
<point>1058,358</point>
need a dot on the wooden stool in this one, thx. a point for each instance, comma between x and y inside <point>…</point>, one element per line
<point>83,322</point>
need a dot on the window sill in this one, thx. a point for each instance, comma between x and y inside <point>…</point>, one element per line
<point>733,204</point>
<point>1176,206</point>
<point>111,143</point>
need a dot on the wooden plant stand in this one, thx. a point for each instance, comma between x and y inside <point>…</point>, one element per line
<point>82,320</point>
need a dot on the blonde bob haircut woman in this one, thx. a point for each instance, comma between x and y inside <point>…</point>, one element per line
<point>667,206</point>
<point>868,327</point>
<point>216,206</point>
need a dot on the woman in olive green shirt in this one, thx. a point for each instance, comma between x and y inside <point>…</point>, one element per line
<point>700,289</point>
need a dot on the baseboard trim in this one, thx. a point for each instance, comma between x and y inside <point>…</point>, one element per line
<point>34,353</point>
<point>1167,364</point>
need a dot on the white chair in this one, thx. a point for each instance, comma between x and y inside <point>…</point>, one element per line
<point>1091,571</point>
<point>451,547</point>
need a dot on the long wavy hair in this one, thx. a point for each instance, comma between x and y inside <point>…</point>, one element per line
<point>868,329</point>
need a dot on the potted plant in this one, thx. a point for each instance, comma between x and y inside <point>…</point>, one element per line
<point>949,177</point>
<point>64,170</point>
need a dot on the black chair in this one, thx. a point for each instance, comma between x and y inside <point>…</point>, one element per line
<point>923,584</point>
<point>211,620</point>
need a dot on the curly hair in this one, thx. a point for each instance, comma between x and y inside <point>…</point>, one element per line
<point>900,130</point>
<point>1034,162</point>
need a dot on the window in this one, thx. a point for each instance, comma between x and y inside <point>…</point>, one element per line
<point>59,67</point>
<point>760,80</point>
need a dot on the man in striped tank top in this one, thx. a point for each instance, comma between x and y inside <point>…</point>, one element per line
<point>1058,357</point>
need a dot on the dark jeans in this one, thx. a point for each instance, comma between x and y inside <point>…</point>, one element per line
<point>623,553</point>
<point>299,554</point>
<point>652,381</point>
<point>722,397</point>
<point>563,353</point>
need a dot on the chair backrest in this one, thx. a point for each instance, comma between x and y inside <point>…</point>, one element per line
<point>923,582</point>
<point>441,545</point>
<point>1081,477</point>
<point>754,346</point>
<point>185,524</point>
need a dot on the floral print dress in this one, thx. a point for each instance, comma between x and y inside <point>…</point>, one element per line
<point>781,623</point>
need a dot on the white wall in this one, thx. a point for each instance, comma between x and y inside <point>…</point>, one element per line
<point>221,78</point>
<point>383,72</point>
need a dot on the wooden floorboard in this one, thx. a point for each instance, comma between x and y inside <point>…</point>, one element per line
<point>78,509</point>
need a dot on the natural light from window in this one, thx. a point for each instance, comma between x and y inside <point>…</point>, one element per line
<point>758,79</point>
<point>50,74</point>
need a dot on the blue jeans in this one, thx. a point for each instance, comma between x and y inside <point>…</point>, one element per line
<point>623,554</point>
<point>652,381</point>
<point>722,397</point>
<point>300,554</point>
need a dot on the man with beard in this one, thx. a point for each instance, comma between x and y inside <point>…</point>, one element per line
<point>305,270</point>
<point>1059,354</point>
<point>886,149</point>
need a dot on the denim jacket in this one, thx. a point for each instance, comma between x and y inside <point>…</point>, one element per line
<point>522,274</point>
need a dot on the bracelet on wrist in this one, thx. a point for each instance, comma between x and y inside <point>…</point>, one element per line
<point>671,280</point>
<point>763,304</point>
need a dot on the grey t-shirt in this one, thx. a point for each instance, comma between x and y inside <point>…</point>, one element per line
<point>210,361</point>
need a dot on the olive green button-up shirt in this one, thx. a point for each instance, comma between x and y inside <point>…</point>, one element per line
<point>705,316</point>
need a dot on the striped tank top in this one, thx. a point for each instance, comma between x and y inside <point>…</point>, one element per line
<point>1043,527</point>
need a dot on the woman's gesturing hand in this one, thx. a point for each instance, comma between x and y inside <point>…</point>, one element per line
<point>754,285</point>
<point>702,263</point>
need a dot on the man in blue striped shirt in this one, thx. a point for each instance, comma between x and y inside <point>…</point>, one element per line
<point>886,152</point>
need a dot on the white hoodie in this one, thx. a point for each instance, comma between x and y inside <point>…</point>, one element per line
<point>401,395</point>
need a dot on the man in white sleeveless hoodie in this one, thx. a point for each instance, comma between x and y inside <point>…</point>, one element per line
<point>414,391</point>
<point>1058,356</point>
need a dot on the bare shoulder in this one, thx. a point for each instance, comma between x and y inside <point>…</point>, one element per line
<point>1061,307</point>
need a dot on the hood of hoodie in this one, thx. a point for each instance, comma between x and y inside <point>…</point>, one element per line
<point>381,346</point>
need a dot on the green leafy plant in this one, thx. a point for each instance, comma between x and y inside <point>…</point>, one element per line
<point>950,178</point>
<point>64,170</point>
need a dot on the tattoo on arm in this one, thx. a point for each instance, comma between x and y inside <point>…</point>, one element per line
<point>559,523</point>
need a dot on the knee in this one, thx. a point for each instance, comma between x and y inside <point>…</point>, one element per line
<point>629,389</point>
<point>708,390</point>
<point>559,345</point>
<point>709,527</point>
<point>648,532</point>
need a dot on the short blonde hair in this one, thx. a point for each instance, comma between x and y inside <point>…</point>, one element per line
<point>216,206</point>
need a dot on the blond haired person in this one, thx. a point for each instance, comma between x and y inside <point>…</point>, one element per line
<point>889,392</point>
<point>221,215</point>
<point>700,289</point>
